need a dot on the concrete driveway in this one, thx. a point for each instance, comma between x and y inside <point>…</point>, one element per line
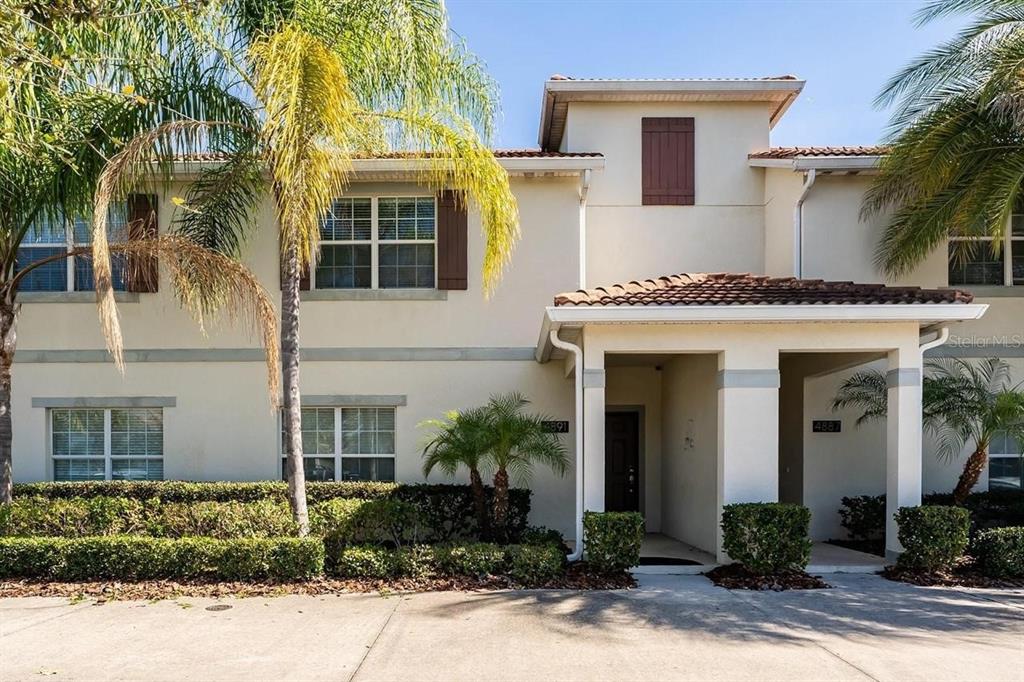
<point>673,627</point>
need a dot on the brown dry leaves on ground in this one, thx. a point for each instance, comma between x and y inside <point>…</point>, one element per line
<point>108,590</point>
<point>735,577</point>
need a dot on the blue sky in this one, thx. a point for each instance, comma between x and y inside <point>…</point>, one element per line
<point>844,49</point>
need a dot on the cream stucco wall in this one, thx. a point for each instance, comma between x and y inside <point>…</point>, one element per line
<point>724,231</point>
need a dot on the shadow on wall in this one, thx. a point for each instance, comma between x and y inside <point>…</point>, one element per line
<point>860,605</point>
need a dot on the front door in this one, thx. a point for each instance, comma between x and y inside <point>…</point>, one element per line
<point>622,461</point>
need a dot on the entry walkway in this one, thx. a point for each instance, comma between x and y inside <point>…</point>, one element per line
<point>670,628</point>
<point>825,558</point>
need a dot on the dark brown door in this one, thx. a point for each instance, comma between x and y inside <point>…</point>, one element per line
<point>622,461</point>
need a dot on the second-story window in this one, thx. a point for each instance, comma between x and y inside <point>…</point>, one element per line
<point>55,236</point>
<point>972,259</point>
<point>378,243</point>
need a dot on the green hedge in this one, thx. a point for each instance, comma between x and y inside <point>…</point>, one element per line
<point>767,537</point>
<point>126,557</point>
<point>863,516</point>
<point>613,540</point>
<point>535,565</point>
<point>408,513</point>
<point>474,559</point>
<point>1000,552</point>
<point>933,537</point>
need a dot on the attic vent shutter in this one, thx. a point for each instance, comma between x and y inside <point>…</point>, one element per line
<point>452,238</point>
<point>142,272</point>
<point>667,161</point>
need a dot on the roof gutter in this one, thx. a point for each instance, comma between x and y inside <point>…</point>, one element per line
<point>798,224</point>
<point>577,352</point>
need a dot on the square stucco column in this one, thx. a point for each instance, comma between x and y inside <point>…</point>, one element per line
<point>593,429</point>
<point>748,434</point>
<point>903,441</point>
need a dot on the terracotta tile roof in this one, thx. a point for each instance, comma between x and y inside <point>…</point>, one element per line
<point>794,152</point>
<point>746,289</point>
<point>499,153</point>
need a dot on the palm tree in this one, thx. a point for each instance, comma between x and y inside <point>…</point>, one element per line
<point>963,403</point>
<point>956,161</point>
<point>72,93</point>
<point>517,441</point>
<point>328,81</point>
<point>461,439</point>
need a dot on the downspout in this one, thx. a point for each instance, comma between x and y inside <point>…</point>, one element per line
<point>798,224</point>
<point>584,190</point>
<point>936,342</point>
<point>577,352</point>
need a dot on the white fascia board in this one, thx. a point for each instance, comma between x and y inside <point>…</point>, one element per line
<point>893,312</point>
<point>668,86</point>
<point>771,163</point>
<point>822,163</point>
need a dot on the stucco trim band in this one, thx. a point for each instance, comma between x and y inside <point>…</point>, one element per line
<point>594,378</point>
<point>110,401</point>
<point>351,400</point>
<point>483,353</point>
<point>903,376</point>
<point>748,378</point>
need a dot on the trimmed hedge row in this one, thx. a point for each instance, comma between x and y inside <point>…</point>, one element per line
<point>203,491</point>
<point>767,537</point>
<point>1000,552</point>
<point>529,565</point>
<point>863,516</point>
<point>129,557</point>
<point>613,540</point>
<point>406,514</point>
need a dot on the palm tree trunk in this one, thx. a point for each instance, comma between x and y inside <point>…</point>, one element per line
<point>479,501</point>
<point>292,399</point>
<point>971,473</point>
<point>501,503</point>
<point>8,341</point>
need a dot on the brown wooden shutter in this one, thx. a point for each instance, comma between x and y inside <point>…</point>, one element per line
<point>142,272</point>
<point>452,239</point>
<point>667,161</point>
<point>304,281</point>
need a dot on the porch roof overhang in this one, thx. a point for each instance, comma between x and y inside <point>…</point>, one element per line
<point>724,298</point>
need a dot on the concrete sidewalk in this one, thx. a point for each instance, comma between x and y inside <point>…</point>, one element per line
<point>673,627</point>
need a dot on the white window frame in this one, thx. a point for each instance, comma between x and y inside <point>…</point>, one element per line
<point>375,241</point>
<point>1008,240</point>
<point>68,244</point>
<point>108,458</point>
<point>999,455</point>
<point>337,455</point>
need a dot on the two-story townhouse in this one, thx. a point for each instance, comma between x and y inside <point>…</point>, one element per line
<point>681,297</point>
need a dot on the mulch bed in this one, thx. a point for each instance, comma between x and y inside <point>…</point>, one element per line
<point>735,577</point>
<point>963,574</point>
<point>576,578</point>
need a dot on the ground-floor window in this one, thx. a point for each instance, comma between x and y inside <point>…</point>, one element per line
<point>1005,466</point>
<point>89,444</point>
<point>347,444</point>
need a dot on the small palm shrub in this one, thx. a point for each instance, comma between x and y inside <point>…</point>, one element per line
<point>1000,552</point>
<point>767,537</point>
<point>933,537</point>
<point>613,540</point>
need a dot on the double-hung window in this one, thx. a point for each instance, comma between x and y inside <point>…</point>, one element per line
<point>1005,466</point>
<point>378,243</point>
<point>50,237</point>
<point>972,260</point>
<point>346,444</point>
<point>96,444</point>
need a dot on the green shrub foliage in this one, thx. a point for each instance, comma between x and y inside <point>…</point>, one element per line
<point>863,516</point>
<point>767,537</point>
<point>535,565</point>
<point>612,540</point>
<point>1000,552</point>
<point>365,561</point>
<point>129,557</point>
<point>474,559</point>
<point>933,537</point>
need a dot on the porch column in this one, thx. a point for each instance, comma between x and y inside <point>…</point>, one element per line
<point>903,441</point>
<point>593,428</point>
<point>748,432</point>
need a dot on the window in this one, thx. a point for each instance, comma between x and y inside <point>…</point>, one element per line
<point>378,243</point>
<point>972,261</point>
<point>1005,470</point>
<point>107,444</point>
<point>52,237</point>
<point>347,444</point>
